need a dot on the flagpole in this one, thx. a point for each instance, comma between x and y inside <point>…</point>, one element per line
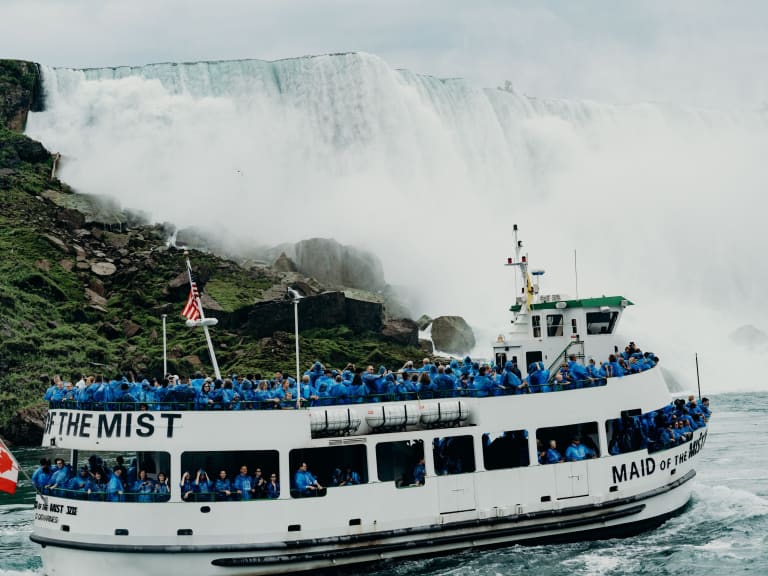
<point>165,349</point>
<point>202,321</point>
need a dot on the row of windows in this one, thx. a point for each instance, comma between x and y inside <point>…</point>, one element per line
<point>597,323</point>
<point>401,462</point>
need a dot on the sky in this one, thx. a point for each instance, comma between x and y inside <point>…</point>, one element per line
<point>703,53</point>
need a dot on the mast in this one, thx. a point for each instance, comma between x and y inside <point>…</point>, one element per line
<point>522,263</point>
<point>204,322</point>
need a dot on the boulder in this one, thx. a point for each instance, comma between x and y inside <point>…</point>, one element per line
<point>750,338</point>
<point>426,346</point>
<point>25,427</point>
<point>57,242</point>
<point>97,286</point>
<point>424,321</point>
<point>72,219</point>
<point>284,264</point>
<point>103,268</point>
<point>95,298</point>
<point>401,330</point>
<point>130,328</point>
<point>338,265</point>
<point>452,334</point>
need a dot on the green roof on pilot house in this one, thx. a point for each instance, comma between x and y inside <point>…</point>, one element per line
<point>613,301</point>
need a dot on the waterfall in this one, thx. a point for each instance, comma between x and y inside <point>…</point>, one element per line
<point>662,202</point>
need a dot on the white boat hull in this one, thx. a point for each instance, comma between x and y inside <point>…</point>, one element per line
<point>630,516</point>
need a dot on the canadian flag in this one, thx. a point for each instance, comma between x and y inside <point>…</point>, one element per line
<point>9,470</point>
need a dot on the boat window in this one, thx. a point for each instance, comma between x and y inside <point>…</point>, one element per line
<point>563,443</point>
<point>554,325</point>
<point>625,434</point>
<point>505,450</point>
<point>86,475</point>
<point>453,455</point>
<point>401,462</point>
<point>501,359</point>
<point>601,322</point>
<point>533,356</point>
<point>536,324</point>
<point>574,329</point>
<point>331,467</point>
<point>248,471</point>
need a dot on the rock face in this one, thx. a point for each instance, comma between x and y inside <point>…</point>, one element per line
<point>325,310</point>
<point>284,264</point>
<point>20,92</point>
<point>26,426</point>
<point>338,265</point>
<point>452,334</point>
<point>750,338</point>
<point>401,330</point>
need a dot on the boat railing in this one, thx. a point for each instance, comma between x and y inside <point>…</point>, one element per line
<point>322,401</point>
<point>100,494</point>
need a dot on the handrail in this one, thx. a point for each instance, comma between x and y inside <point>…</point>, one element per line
<point>560,357</point>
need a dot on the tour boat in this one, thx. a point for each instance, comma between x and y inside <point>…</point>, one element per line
<point>435,474</point>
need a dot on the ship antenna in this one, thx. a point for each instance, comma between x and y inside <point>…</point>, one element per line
<point>698,381</point>
<point>203,321</point>
<point>522,263</point>
<point>576,273</point>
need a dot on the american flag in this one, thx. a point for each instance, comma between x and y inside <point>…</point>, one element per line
<point>191,310</point>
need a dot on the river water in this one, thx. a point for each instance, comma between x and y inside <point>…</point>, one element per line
<point>724,531</point>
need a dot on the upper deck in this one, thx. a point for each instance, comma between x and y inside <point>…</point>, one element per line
<point>183,426</point>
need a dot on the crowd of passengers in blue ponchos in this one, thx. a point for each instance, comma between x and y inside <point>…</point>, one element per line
<point>322,386</point>
<point>670,426</point>
<point>96,481</point>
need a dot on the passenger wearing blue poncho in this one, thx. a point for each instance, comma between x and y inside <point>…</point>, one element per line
<point>162,490</point>
<point>305,482</point>
<point>483,385</point>
<point>97,487</point>
<point>578,451</point>
<point>466,367</point>
<point>444,384</point>
<point>356,391</point>
<point>577,373</point>
<point>144,487</point>
<point>59,478</point>
<point>77,485</point>
<point>223,486</point>
<point>419,473</point>
<point>612,368</point>
<point>203,486</point>
<point>115,488</point>
<point>372,382</point>
<point>553,455</point>
<point>339,391</point>
<point>314,373</point>
<point>510,380</point>
<point>538,378</point>
<point>243,485</point>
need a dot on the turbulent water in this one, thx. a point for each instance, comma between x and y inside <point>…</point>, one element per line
<point>724,530</point>
<point>660,202</point>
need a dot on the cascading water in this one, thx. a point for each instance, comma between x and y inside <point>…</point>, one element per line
<point>662,203</point>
